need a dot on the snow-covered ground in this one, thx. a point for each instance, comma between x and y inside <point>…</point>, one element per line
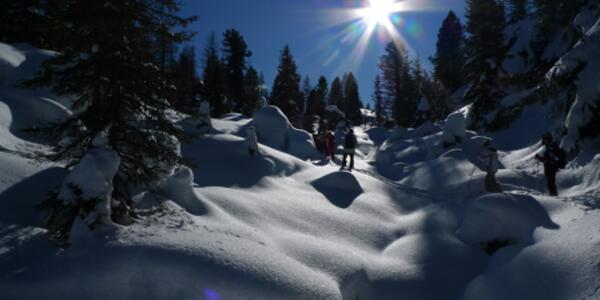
<point>411,222</point>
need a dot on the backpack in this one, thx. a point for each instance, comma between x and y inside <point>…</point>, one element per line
<point>562,157</point>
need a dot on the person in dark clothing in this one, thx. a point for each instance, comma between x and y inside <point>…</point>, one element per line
<point>349,149</point>
<point>550,160</point>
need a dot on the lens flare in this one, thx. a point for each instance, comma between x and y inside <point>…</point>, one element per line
<point>363,21</point>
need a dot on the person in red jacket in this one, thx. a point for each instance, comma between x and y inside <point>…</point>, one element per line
<point>330,144</point>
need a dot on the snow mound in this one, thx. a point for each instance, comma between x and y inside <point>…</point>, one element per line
<point>275,130</point>
<point>179,187</point>
<point>562,264</point>
<point>341,188</point>
<point>454,129</point>
<point>425,129</point>
<point>229,154</point>
<point>504,217</point>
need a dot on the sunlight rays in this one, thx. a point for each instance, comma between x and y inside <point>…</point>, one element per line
<point>365,22</point>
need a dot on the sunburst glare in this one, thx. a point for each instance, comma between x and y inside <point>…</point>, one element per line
<point>365,19</point>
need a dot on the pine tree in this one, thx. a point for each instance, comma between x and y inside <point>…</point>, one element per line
<point>286,87</point>
<point>517,9</point>
<point>22,22</point>
<point>213,89</point>
<point>252,91</point>
<point>106,62</point>
<point>235,54</point>
<point>322,92</point>
<point>397,83</point>
<point>336,94</point>
<point>352,103</point>
<point>449,59</point>
<point>187,81</point>
<point>485,50</point>
<point>378,99</point>
<point>264,92</point>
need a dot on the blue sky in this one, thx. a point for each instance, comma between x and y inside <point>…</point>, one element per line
<point>321,33</point>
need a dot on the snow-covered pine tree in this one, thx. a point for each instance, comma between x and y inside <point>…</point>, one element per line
<point>449,59</point>
<point>107,65</point>
<point>286,87</point>
<point>235,53</point>
<point>352,103</point>
<point>213,89</point>
<point>485,52</point>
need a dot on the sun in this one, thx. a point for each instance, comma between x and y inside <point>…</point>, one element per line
<point>379,11</point>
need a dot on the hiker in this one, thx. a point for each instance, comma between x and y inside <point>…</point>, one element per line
<point>553,159</point>
<point>489,158</point>
<point>251,140</point>
<point>349,149</point>
<point>330,144</point>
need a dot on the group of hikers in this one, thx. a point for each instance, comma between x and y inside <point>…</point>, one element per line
<point>325,143</point>
<point>552,157</point>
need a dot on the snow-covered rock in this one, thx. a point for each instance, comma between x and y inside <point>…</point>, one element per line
<point>275,130</point>
<point>454,129</point>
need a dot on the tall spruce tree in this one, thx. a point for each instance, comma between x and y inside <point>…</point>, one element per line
<point>187,81</point>
<point>286,87</point>
<point>235,54</point>
<point>315,105</point>
<point>378,100</point>
<point>336,94</point>
<point>352,103</point>
<point>106,63</point>
<point>252,91</point>
<point>213,89</point>
<point>449,59</point>
<point>397,83</point>
<point>485,50</point>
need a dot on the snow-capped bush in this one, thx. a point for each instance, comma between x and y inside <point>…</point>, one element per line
<point>91,180</point>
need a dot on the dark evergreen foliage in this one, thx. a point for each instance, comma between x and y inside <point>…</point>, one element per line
<point>336,94</point>
<point>213,77</point>
<point>235,53</point>
<point>352,102</point>
<point>286,87</point>
<point>485,49</point>
<point>252,91</point>
<point>378,100</point>
<point>449,59</point>
<point>187,82</point>
<point>23,21</point>
<point>517,9</point>
<point>107,65</point>
<point>397,84</point>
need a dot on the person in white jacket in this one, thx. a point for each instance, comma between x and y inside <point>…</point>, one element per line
<point>252,140</point>
<point>489,159</point>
